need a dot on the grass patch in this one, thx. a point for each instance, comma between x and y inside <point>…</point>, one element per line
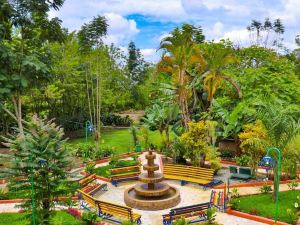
<point>264,205</point>
<point>121,139</point>
<point>104,170</point>
<point>58,218</point>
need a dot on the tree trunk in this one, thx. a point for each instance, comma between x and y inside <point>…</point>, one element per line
<point>167,136</point>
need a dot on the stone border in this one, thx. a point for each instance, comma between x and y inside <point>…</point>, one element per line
<point>253,217</point>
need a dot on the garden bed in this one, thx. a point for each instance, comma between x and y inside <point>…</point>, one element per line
<point>263,205</point>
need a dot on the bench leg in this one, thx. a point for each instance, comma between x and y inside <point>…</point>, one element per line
<point>182,182</point>
<point>114,182</point>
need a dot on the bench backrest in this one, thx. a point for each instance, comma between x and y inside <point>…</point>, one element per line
<point>115,210</point>
<point>233,169</point>
<point>188,209</point>
<point>246,171</point>
<point>188,171</point>
<point>125,169</point>
<point>90,200</point>
<point>87,180</point>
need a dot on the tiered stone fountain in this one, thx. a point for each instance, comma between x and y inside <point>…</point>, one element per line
<point>151,193</point>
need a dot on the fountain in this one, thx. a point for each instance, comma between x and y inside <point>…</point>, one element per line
<point>151,193</point>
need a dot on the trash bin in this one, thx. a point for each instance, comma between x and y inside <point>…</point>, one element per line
<point>138,148</point>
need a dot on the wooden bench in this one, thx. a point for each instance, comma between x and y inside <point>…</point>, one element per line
<point>108,211</point>
<point>93,189</point>
<point>240,173</point>
<point>197,213</point>
<point>186,174</point>
<point>86,180</point>
<point>124,173</point>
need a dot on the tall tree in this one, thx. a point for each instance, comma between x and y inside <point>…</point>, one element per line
<point>180,53</point>
<point>26,64</point>
<point>266,33</point>
<point>90,39</point>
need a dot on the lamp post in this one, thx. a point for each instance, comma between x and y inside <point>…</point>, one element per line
<point>32,192</point>
<point>268,161</point>
<point>88,127</point>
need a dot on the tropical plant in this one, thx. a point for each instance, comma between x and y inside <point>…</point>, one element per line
<point>254,140</point>
<point>160,116</point>
<point>211,216</point>
<point>39,156</point>
<point>283,125</point>
<point>293,185</point>
<point>217,57</point>
<point>195,140</point>
<point>265,189</point>
<point>89,217</point>
<point>90,168</point>
<point>243,160</point>
<point>181,54</point>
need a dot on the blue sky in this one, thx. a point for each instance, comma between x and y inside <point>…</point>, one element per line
<point>146,22</point>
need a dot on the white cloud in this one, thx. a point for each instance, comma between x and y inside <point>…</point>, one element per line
<point>150,54</point>
<point>120,29</point>
<point>156,8</point>
<point>238,37</point>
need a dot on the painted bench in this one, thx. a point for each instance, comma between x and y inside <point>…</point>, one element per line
<point>187,174</point>
<point>196,212</point>
<point>240,173</point>
<point>93,189</point>
<point>124,173</point>
<point>108,211</point>
<point>86,180</point>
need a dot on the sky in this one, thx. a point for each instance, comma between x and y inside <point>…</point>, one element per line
<point>146,22</point>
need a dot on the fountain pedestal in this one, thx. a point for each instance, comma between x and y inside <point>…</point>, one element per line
<point>151,193</point>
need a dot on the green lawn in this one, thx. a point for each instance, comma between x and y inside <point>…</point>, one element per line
<point>266,207</point>
<point>60,218</point>
<point>121,139</point>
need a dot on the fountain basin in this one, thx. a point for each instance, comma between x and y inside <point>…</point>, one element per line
<point>168,200</point>
<point>159,189</point>
<point>157,177</point>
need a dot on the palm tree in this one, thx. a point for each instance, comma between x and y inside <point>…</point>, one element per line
<point>282,124</point>
<point>218,57</point>
<point>161,116</point>
<point>181,53</point>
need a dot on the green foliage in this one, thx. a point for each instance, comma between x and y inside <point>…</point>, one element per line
<point>293,185</point>
<point>133,131</point>
<point>128,222</point>
<point>265,189</point>
<point>57,218</point>
<point>234,202</point>
<point>254,140</point>
<point>234,193</point>
<point>181,221</point>
<point>243,160</point>
<point>267,206</point>
<point>89,217</point>
<point>40,156</point>
<point>90,168</point>
<point>211,216</point>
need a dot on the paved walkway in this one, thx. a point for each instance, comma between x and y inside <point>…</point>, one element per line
<point>190,194</point>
